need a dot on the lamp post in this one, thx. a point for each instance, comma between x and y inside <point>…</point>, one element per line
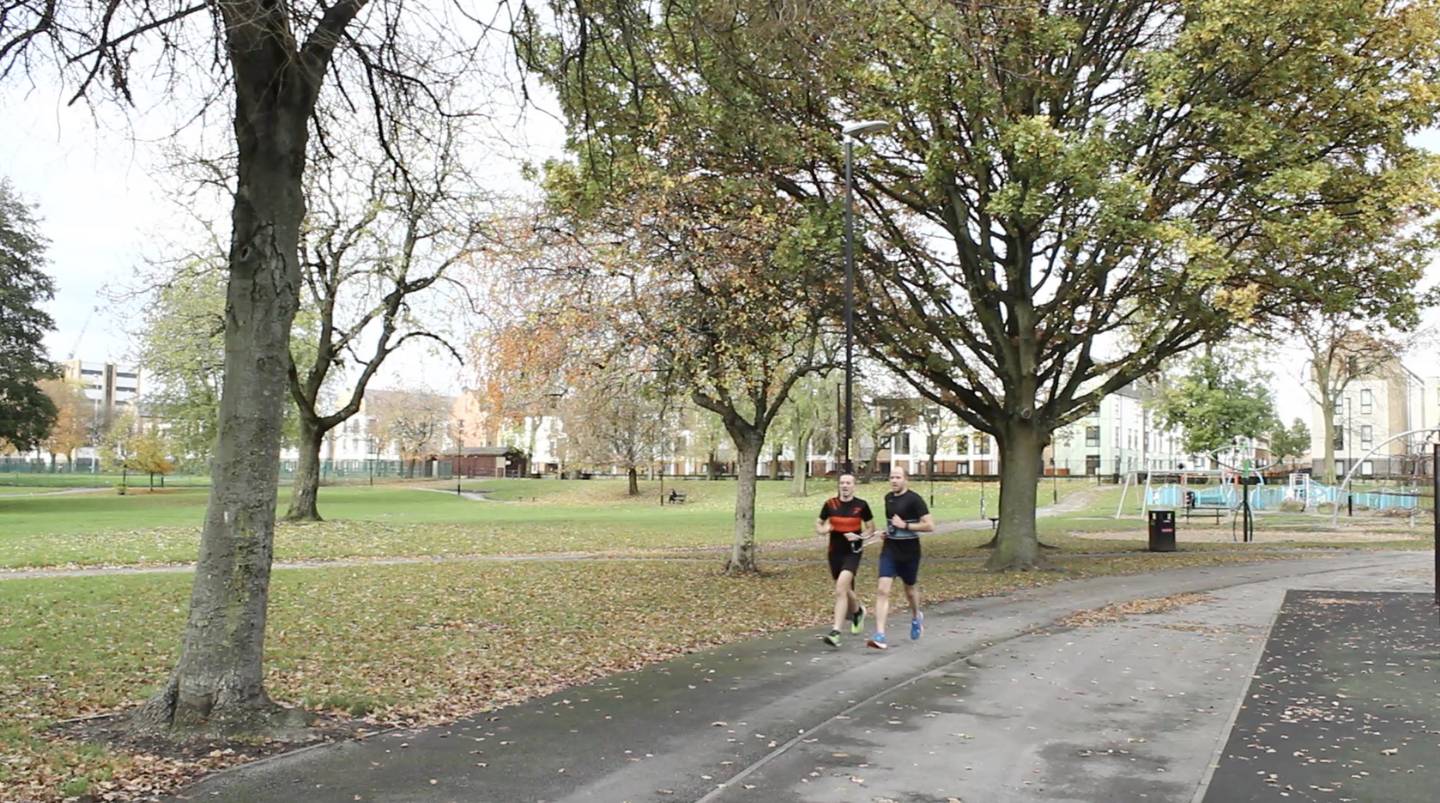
<point>850,132</point>
<point>459,452</point>
<point>1349,457</point>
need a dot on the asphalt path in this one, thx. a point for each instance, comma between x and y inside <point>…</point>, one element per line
<point>1029,696</point>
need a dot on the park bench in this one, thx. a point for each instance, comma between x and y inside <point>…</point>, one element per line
<point>1207,508</point>
<point>1192,504</point>
<point>676,498</point>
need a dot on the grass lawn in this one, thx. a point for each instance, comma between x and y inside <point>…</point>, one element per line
<point>435,641</point>
<point>422,643</point>
<point>81,479</point>
<point>412,520</point>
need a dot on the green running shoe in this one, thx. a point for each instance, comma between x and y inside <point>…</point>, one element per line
<point>857,620</point>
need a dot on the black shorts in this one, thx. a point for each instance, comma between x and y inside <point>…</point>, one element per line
<point>844,555</point>
<point>901,559</point>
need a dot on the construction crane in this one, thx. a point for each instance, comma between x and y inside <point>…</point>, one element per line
<point>83,327</point>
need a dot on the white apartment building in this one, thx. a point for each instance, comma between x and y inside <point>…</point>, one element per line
<point>1119,437</point>
<point>1430,401</point>
<point>1371,410</point>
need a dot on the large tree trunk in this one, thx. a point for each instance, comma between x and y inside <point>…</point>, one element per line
<point>305,490</point>
<point>1017,546</point>
<point>1327,416</point>
<point>217,685</point>
<point>634,481</point>
<point>802,465</point>
<point>742,553</point>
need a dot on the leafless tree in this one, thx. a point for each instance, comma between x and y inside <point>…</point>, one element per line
<point>388,61</point>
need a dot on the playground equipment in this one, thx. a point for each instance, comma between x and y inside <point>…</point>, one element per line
<point>1433,432</point>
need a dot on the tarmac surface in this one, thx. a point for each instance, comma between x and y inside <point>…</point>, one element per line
<point>1001,700</point>
<point>1345,705</point>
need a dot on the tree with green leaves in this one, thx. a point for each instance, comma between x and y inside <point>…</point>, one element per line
<point>181,346</point>
<point>180,340</point>
<point>273,61</point>
<point>152,456</point>
<point>26,412</point>
<point>808,412</point>
<point>1290,442</point>
<point>1070,193</point>
<point>118,445</point>
<point>1220,397</point>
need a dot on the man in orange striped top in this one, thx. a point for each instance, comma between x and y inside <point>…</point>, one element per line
<point>844,518</point>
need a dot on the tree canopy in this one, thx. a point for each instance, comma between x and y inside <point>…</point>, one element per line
<point>26,412</point>
<point>1069,193</point>
<point>1219,398</point>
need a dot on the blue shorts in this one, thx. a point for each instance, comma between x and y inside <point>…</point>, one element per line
<point>901,559</point>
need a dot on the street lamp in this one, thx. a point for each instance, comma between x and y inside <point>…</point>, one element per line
<point>850,131</point>
<point>370,442</point>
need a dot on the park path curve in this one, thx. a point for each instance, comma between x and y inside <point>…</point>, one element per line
<point>1002,700</point>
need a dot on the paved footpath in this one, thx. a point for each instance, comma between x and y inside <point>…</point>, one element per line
<point>996,703</point>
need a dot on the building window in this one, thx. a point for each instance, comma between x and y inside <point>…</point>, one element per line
<point>1367,401</point>
<point>1092,436</point>
<point>900,444</point>
<point>1339,438</point>
<point>1339,405</point>
<point>1367,468</point>
<point>982,443</point>
<point>962,444</point>
<point>1092,464</point>
<point>1367,436</point>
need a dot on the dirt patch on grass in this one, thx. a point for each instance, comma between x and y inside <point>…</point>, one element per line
<point>157,766</point>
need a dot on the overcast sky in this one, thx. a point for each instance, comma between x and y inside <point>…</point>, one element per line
<point>104,210</point>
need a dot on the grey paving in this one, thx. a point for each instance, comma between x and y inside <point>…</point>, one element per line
<point>1345,705</point>
<point>995,703</point>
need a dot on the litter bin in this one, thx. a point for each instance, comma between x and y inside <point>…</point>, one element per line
<point>1162,531</point>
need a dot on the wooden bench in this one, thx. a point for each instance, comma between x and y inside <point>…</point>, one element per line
<point>1216,509</point>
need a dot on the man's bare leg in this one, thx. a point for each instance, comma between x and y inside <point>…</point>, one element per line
<point>846,601</point>
<point>882,603</point>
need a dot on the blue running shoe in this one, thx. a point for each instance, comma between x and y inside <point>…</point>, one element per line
<point>877,642</point>
<point>917,626</point>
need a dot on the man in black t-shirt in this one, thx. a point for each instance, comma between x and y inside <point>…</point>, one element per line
<point>844,518</point>
<point>906,516</point>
